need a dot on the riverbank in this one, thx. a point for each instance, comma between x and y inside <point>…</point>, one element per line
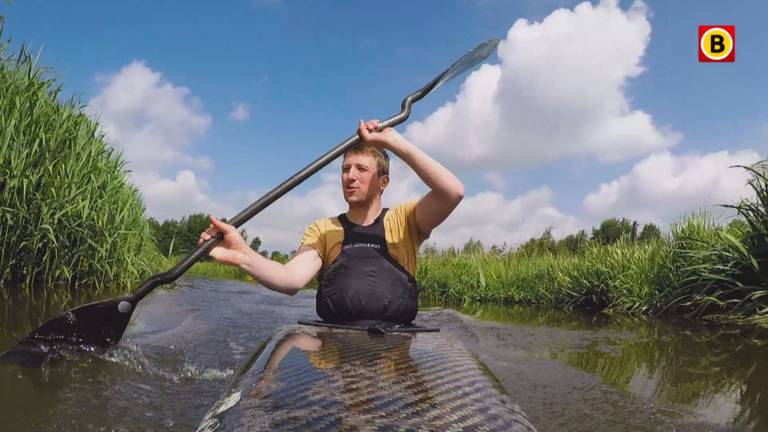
<point>700,270</point>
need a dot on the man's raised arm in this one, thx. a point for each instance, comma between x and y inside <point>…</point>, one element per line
<point>446,192</point>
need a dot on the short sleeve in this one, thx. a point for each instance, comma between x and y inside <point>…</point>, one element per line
<point>408,210</point>
<point>314,237</point>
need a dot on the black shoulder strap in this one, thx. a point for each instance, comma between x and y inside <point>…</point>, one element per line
<point>379,219</point>
<point>343,220</point>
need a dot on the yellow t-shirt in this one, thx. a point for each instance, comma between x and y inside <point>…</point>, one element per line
<point>400,229</point>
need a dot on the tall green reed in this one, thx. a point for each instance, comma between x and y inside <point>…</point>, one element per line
<point>622,276</point>
<point>68,216</point>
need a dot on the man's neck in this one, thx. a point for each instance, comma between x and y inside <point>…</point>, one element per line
<point>364,214</point>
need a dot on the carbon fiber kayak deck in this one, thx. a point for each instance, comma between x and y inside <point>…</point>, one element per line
<point>320,379</point>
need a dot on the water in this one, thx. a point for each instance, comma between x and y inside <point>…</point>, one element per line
<point>567,371</point>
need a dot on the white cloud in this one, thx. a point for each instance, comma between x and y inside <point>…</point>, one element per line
<point>149,119</point>
<point>494,219</point>
<point>154,122</point>
<point>175,198</point>
<point>495,179</point>
<point>240,112</point>
<point>662,186</point>
<point>559,91</point>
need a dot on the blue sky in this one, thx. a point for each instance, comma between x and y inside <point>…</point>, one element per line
<point>303,72</point>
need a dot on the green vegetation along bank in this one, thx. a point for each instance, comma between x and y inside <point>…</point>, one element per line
<point>68,217</point>
<point>700,269</point>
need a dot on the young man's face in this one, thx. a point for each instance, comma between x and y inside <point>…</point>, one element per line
<point>360,181</point>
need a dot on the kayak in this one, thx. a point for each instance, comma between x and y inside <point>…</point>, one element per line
<point>309,378</point>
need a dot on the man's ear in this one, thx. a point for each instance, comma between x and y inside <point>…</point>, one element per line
<point>384,183</point>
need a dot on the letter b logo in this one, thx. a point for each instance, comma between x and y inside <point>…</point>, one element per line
<point>717,43</point>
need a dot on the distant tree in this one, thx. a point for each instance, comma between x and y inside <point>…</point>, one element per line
<point>264,253</point>
<point>190,228</point>
<point>175,237</point>
<point>473,247</point>
<point>165,235</point>
<point>256,243</point>
<point>649,232</point>
<point>497,250</point>
<point>612,230</point>
<point>428,249</point>
<point>279,257</point>
<point>574,242</point>
<point>539,245</point>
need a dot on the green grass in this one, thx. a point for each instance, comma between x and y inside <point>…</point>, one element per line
<point>68,216</point>
<point>621,276</point>
<point>204,269</point>
<point>699,270</point>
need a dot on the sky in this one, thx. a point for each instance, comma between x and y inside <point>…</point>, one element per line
<point>587,110</point>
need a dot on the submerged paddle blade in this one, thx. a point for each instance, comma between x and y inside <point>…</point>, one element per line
<point>467,62</point>
<point>99,324</point>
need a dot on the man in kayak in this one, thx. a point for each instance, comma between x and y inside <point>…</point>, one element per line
<point>366,257</point>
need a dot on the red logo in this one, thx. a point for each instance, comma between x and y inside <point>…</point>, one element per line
<point>717,43</point>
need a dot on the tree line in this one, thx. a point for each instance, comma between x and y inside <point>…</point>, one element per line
<point>610,231</point>
<point>178,237</point>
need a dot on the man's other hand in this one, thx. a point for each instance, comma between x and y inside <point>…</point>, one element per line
<point>232,250</point>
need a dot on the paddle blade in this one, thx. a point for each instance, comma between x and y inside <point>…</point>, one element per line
<point>94,325</point>
<point>468,61</point>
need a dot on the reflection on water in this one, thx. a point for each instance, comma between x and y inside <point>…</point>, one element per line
<point>317,379</point>
<point>720,373</point>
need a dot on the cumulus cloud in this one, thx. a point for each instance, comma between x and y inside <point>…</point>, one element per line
<point>151,120</point>
<point>495,179</point>
<point>662,186</point>
<point>174,198</point>
<point>558,91</point>
<point>154,123</point>
<point>494,219</point>
<point>240,112</point>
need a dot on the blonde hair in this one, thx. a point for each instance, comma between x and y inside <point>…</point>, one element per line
<point>381,156</point>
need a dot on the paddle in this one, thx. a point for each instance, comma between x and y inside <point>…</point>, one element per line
<point>101,324</point>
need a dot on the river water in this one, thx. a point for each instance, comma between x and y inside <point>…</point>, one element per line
<point>567,371</point>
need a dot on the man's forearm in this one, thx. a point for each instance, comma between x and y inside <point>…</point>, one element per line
<point>271,274</point>
<point>442,182</point>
